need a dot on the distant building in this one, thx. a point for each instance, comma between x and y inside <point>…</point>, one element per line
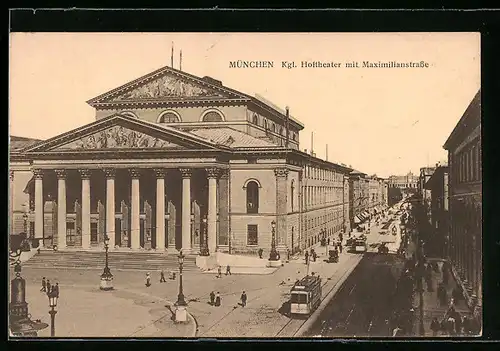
<point>440,211</point>
<point>465,187</point>
<point>408,181</point>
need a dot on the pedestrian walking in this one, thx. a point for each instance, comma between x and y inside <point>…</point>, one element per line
<point>49,287</point>
<point>243,299</point>
<point>288,254</point>
<point>55,290</point>
<point>341,237</point>
<point>44,285</point>
<point>446,272</point>
<point>307,257</point>
<point>228,270</point>
<point>442,295</point>
<point>217,299</point>
<point>260,252</point>
<point>428,277</point>
<point>328,241</point>
<point>162,277</point>
<point>435,327</point>
<point>212,298</point>
<point>340,246</point>
<point>219,272</point>
<point>148,279</point>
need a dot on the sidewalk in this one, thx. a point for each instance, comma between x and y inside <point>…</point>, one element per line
<point>432,307</point>
<point>90,312</point>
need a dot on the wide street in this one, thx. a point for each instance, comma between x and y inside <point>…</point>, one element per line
<point>362,307</point>
<point>134,310</point>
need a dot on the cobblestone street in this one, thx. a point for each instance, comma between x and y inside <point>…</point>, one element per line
<point>99,313</point>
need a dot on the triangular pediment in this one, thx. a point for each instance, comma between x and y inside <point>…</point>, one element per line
<point>165,85</point>
<point>119,132</point>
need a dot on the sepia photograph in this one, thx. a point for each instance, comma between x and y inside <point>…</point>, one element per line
<point>245,185</point>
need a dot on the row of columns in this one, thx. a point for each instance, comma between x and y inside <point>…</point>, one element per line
<point>160,174</point>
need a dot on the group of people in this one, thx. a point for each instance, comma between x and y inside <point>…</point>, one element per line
<point>219,271</point>
<point>215,299</point>
<point>49,289</point>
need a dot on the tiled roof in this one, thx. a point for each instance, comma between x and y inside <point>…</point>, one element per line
<point>230,137</point>
<point>17,143</point>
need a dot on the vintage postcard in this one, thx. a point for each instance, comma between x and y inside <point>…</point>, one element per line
<point>245,185</point>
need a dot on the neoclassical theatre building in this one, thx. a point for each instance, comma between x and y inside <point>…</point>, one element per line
<point>170,161</point>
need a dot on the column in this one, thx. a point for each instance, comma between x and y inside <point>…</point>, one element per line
<point>61,208</point>
<point>38,174</point>
<point>135,224</point>
<point>224,224</point>
<point>281,208</point>
<point>212,174</point>
<point>11,203</point>
<point>85,176</point>
<point>110,206</point>
<point>160,209</point>
<point>186,209</point>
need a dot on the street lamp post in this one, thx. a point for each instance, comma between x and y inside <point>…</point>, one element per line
<point>106,276</point>
<point>204,248</point>
<point>180,311</point>
<point>274,260</point>
<point>53,296</point>
<point>20,323</point>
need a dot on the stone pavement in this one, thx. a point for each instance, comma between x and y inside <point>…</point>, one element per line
<point>432,307</point>
<point>86,311</point>
<point>134,310</point>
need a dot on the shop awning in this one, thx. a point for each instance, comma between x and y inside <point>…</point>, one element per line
<point>357,220</point>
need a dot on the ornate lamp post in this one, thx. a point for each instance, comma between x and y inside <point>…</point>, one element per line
<point>53,296</point>
<point>106,276</point>
<point>20,323</point>
<point>180,311</point>
<point>204,248</point>
<point>274,260</point>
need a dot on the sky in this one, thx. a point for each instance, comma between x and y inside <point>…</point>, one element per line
<point>378,120</point>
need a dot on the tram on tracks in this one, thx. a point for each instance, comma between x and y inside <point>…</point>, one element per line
<point>305,296</point>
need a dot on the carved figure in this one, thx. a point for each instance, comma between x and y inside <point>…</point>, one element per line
<point>166,86</point>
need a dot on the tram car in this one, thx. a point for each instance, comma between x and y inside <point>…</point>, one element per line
<point>359,245</point>
<point>305,296</point>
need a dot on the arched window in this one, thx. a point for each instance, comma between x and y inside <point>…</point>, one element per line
<point>282,132</point>
<point>292,192</point>
<point>273,128</point>
<point>169,117</point>
<point>255,119</point>
<point>252,197</point>
<point>265,124</point>
<point>212,116</point>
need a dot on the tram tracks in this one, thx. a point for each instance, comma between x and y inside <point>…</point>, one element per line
<point>292,327</point>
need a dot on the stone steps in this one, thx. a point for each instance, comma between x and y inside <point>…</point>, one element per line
<point>117,260</point>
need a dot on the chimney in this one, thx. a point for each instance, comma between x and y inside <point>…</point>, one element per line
<point>312,142</point>
<point>287,126</point>
<point>180,60</point>
<point>172,56</point>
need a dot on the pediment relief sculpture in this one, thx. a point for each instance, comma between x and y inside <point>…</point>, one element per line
<point>166,86</point>
<point>117,137</point>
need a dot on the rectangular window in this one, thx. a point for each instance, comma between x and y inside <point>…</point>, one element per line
<point>252,235</point>
<point>93,232</point>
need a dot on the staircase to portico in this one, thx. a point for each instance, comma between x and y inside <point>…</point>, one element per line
<point>118,260</point>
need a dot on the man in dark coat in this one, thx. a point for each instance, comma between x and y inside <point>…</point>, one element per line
<point>44,285</point>
<point>217,299</point>
<point>49,287</point>
<point>243,299</point>
<point>212,298</point>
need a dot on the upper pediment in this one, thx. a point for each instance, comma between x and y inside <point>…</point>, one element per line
<point>164,85</point>
<point>117,132</point>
